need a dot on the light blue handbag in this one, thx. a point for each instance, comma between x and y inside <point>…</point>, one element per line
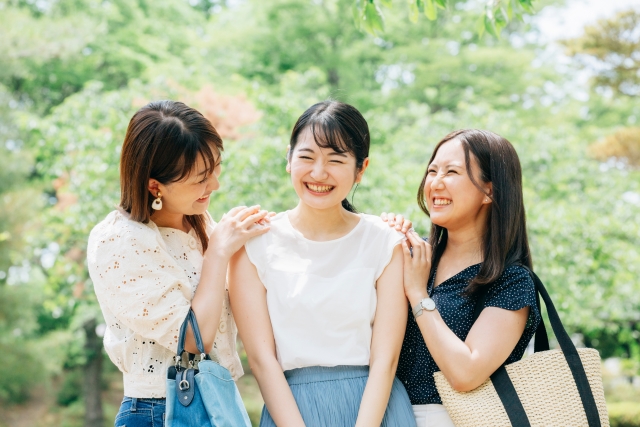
<point>202,397</point>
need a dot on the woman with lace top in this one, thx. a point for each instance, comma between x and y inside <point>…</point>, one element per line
<point>160,254</point>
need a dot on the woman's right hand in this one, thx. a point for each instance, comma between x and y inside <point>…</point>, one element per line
<point>417,266</point>
<point>236,227</point>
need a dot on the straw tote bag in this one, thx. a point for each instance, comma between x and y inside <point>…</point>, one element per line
<point>549,388</point>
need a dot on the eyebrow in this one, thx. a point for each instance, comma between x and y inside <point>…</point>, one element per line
<point>448,165</point>
<point>204,172</point>
<point>334,153</point>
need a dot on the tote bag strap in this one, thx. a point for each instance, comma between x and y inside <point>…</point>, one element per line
<point>191,320</point>
<point>501,381</point>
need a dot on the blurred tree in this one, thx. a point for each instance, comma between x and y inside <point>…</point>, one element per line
<point>52,52</point>
<point>623,145</point>
<point>611,50</point>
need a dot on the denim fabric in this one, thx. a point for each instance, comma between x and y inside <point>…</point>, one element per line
<point>138,412</point>
<point>216,400</point>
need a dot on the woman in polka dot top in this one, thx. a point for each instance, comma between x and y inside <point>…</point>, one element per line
<point>472,190</point>
<point>160,254</point>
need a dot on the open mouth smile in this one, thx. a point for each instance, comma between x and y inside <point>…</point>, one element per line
<point>319,188</point>
<point>437,201</point>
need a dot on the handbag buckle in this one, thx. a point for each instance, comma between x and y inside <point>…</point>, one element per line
<point>183,385</point>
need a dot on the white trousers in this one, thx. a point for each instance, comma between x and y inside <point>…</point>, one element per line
<point>432,416</point>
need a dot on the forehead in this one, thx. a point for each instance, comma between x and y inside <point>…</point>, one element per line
<point>307,142</point>
<point>450,152</point>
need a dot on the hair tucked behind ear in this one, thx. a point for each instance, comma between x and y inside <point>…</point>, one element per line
<point>505,241</point>
<point>163,142</point>
<point>338,126</point>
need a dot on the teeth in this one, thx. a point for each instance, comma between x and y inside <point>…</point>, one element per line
<point>441,202</point>
<point>320,188</point>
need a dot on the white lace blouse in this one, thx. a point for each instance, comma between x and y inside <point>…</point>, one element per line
<point>145,277</point>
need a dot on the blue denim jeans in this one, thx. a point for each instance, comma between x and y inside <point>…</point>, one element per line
<point>138,412</point>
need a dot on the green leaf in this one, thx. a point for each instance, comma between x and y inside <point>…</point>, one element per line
<point>490,26</point>
<point>441,3</point>
<point>414,11</point>
<point>510,9</point>
<point>480,26</point>
<point>386,3</point>
<point>372,20</point>
<point>430,10</point>
<point>527,5</point>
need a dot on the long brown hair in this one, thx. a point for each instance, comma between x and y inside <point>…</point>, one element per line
<point>505,240</point>
<point>163,142</point>
<point>338,126</point>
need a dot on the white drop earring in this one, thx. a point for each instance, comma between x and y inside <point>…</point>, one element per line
<point>157,203</point>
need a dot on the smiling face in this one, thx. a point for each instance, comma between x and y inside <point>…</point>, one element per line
<point>321,177</point>
<point>189,196</point>
<point>452,199</point>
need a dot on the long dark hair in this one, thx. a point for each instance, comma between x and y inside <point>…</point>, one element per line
<point>163,142</point>
<point>505,239</point>
<point>338,126</point>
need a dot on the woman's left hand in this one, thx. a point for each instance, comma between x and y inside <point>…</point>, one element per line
<point>399,222</point>
<point>417,266</point>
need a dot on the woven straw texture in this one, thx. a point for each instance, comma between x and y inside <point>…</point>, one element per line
<point>545,386</point>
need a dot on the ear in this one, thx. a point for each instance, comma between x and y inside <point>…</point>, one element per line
<point>364,167</point>
<point>154,187</point>
<point>288,168</point>
<point>488,190</point>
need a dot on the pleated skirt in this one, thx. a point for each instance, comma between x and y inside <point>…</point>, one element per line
<point>331,396</point>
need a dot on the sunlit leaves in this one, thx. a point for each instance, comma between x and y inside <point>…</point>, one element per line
<point>495,16</point>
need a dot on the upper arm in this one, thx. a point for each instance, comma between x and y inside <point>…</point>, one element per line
<point>248,298</point>
<point>141,284</point>
<point>391,312</point>
<point>494,336</point>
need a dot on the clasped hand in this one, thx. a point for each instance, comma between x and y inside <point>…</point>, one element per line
<point>417,258</point>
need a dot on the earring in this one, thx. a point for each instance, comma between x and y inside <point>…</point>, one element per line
<point>486,199</point>
<point>157,203</point>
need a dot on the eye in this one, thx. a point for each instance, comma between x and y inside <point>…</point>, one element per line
<point>203,180</point>
<point>336,161</point>
<point>431,171</point>
<point>452,171</point>
<point>305,157</point>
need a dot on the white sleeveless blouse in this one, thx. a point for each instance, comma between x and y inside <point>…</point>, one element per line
<point>321,296</point>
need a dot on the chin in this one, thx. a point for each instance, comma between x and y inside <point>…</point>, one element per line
<point>198,210</point>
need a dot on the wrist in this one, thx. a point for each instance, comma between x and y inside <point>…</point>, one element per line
<point>417,296</point>
<point>215,253</point>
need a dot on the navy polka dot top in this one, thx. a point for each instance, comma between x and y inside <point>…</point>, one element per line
<point>512,291</point>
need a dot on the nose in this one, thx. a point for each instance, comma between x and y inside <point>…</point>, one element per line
<point>319,171</point>
<point>436,182</point>
<point>213,183</point>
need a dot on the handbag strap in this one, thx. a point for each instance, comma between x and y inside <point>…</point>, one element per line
<point>190,320</point>
<point>502,383</point>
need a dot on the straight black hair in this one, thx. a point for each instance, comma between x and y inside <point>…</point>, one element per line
<point>505,240</point>
<point>338,126</point>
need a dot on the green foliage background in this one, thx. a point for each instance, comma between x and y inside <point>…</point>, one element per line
<point>74,71</point>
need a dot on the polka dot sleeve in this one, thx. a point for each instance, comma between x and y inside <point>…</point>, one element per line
<point>513,291</point>
<point>137,280</point>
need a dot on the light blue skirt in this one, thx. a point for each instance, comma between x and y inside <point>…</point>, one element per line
<point>331,397</point>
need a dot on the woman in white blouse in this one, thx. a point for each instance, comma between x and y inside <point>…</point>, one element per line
<point>160,254</point>
<point>319,300</point>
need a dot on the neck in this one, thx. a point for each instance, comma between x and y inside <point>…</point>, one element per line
<point>466,244</point>
<point>322,224</point>
<point>163,218</point>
